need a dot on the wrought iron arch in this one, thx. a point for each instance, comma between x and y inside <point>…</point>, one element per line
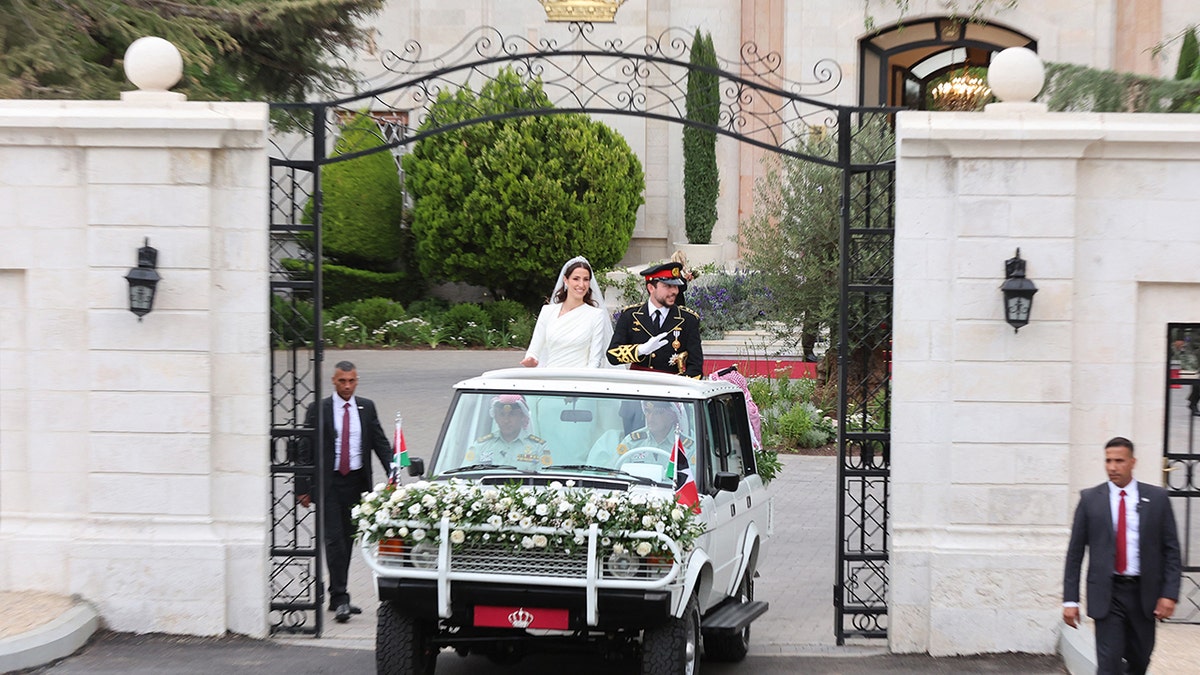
<point>645,78</point>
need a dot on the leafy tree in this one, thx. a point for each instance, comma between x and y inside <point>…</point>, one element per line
<point>793,238</point>
<point>232,49</point>
<point>502,204</point>
<point>701,179</point>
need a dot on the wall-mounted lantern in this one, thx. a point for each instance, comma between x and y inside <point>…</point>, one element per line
<point>143,280</point>
<point>1018,292</point>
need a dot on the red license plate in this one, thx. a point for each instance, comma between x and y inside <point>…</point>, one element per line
<point>521,617</point>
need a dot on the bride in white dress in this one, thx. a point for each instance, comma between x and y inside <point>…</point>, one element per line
<point>574,329</point>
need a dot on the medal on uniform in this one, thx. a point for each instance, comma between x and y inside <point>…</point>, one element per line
<point>675,342</point>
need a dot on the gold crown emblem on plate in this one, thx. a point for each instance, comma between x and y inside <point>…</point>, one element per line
<point>596,11</point>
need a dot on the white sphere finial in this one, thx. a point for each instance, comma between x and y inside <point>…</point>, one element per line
<point>1016,75</point>
<point>153,64</point>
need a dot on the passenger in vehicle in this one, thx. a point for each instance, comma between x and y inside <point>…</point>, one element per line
<point>662,419</point>
<point>510,444</point>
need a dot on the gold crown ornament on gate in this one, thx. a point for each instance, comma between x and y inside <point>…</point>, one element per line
<point>594,11</point>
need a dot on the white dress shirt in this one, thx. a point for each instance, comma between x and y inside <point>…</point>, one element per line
<point>355,433</point>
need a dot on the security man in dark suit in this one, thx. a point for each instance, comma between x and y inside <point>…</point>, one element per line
<point>658,335</point>
<point>352,431</point>
<point>1134,564</point>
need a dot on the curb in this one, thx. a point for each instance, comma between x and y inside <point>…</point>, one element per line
<point>50,641</point>
<point>1077,647</point>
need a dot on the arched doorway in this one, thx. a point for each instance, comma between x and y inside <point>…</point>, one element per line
<point>898,63</point>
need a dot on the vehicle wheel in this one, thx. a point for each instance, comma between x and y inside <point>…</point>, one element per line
<point>674,647</point>
<point>731,647</point>
<point>403,645</point>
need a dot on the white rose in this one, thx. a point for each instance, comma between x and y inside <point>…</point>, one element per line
<point>579,538</point>
<point>563,507</point>
<point>589,510</point>
<point>555,485</point>
<point>414,509</point>
<point>542,510</point>
<point>648,521</point>
<point>676,514</point>
<point>458,537</point>
<point>389,533</point>
<point>618,548</point>
<point>428,501</point>
<point>659,526</point>
<point>602,515</point>
<point>527,522</point>
<point>571,483</point>
<point>495,521</point>
<point>643,548</point>
<point>403,532</point>
<point>514,516</point>
<point>530,500</point>
<point>527,542</point>
<point>539,540</point>
<point>418,535</point>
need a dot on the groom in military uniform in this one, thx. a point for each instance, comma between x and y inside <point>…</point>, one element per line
<point>508,445</point>
<point>658,334</point>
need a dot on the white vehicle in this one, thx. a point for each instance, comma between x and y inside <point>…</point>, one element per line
<point>568,532</point>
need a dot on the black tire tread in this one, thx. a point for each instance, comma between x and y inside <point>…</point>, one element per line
<point>662,646</point>
<point>402,645</point>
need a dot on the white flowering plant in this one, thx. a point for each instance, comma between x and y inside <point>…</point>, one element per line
<point>515,515</point>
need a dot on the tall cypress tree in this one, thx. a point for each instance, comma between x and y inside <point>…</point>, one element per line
<point>701,180</point>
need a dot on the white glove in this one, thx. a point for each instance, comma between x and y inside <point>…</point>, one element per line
<point>650,346</point>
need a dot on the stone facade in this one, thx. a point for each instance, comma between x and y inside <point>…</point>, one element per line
<point>133,469</point>
<point>1111,34</point>
<point>995,432</point>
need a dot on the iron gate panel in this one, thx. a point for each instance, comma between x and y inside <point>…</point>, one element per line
<point>864,378</point>
<point>645,78</point>
<point>1181,457</point>
<point>296,589</point>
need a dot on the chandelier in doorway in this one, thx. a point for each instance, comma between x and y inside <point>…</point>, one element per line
<point>594,11</point>
<point>961,92</point>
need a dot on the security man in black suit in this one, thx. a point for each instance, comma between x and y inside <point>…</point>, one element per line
<point>658,334</point>
<point>351,432</point>
<point>1134,564</point>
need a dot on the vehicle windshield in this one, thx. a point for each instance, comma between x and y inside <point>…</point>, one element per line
<point>546,433</point>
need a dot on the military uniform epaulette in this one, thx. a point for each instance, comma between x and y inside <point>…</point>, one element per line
<point>638,435</point>
<point>687,443</point>
<point>488,437</point>
<point>636,304</point>
<point>535,439</point>
<point>689,310</point>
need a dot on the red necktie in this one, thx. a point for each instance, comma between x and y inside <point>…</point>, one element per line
<point>344,458</point>
<point>1121,534</point>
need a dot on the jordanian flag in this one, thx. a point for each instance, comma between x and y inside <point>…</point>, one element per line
<point>685,483</point>
<point>400,458</point>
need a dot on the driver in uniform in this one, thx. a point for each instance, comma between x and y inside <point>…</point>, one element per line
<point>659,432</point>
<point>509,445</point>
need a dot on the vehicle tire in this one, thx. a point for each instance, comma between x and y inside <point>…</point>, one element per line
<point>732,647</point>
<point>403,645</point>
<point>673,648</point>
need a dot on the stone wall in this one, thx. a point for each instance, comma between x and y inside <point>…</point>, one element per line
<point>995,432</point>
<point>133,462</point>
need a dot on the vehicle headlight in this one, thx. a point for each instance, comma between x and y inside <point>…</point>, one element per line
<point>622,565</point>
<point>424,555</point>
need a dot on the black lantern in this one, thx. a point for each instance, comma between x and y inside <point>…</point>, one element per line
<point>1018,292</point>
<point>143,280</point>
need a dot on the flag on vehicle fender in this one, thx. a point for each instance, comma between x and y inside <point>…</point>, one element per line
<point>400,458</point>
<point>685,483</point>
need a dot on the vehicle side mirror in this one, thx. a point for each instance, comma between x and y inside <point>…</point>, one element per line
<point>416,466</point>
<point>727,481</point>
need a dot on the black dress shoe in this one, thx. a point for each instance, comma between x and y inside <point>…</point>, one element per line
<point>343,613</point>
<point>354,609</point>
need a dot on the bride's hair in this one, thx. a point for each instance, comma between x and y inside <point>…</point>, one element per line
<point>561,295</point>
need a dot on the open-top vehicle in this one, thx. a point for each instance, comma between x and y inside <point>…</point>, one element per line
<point>602,508</point>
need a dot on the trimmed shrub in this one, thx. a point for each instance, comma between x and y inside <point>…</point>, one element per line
<point>370,312</point>
<point>502,204</point>
<point>468,324</point>
<point>701,178</point>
